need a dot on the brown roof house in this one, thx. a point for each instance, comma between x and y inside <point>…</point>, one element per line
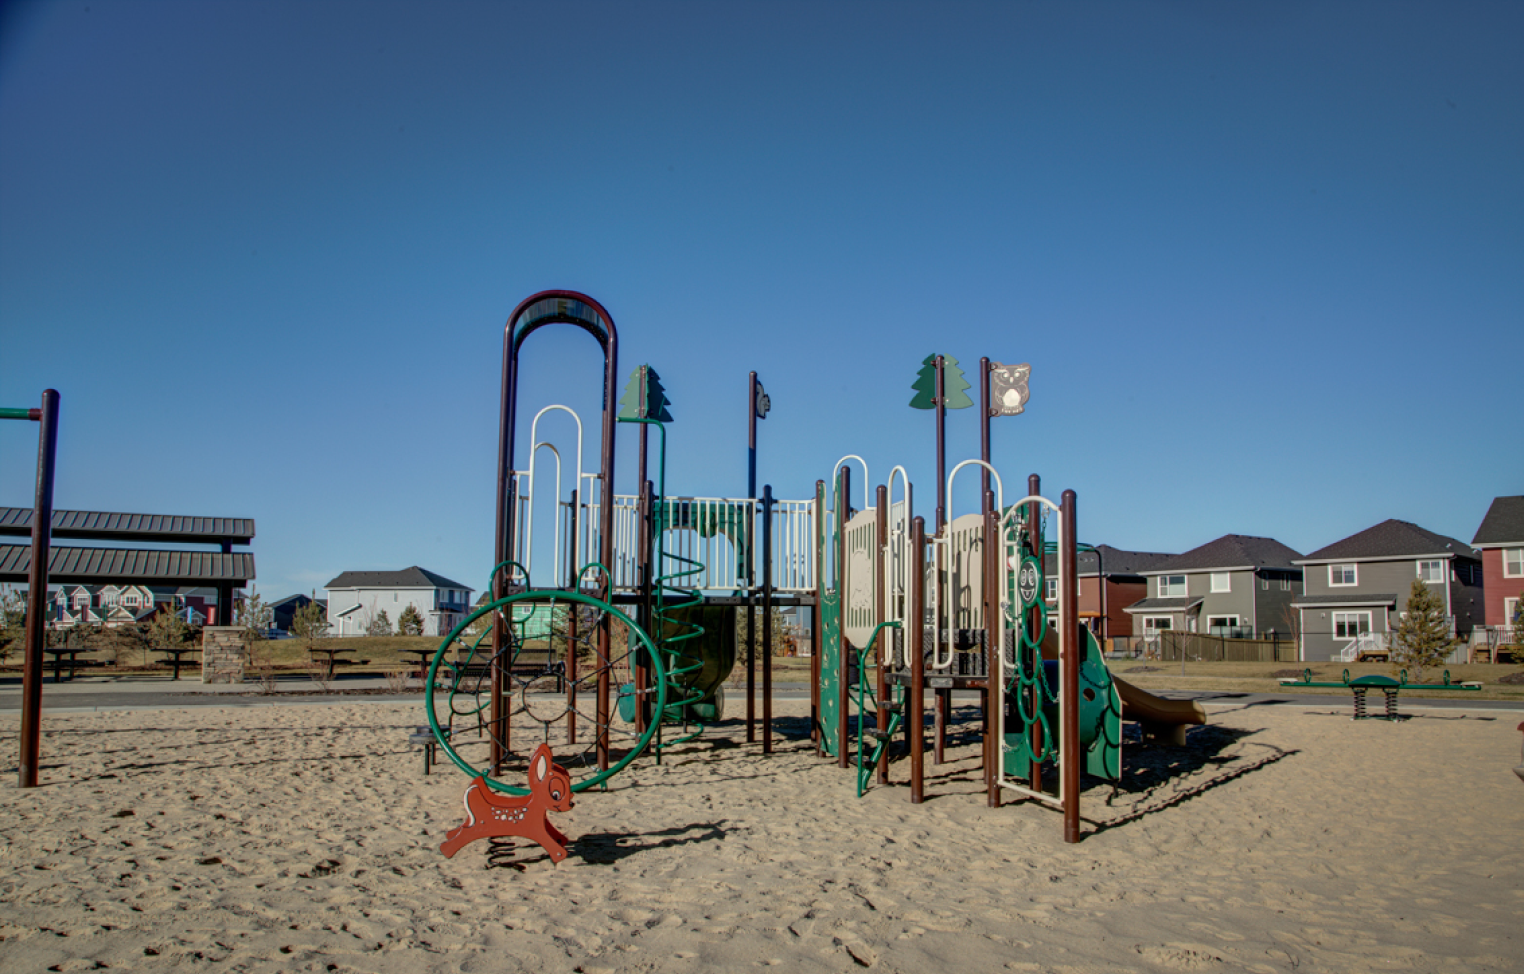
<point>1354,590</point>
<point>1238,586</point>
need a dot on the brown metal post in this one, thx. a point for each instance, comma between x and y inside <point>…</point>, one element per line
<point>1034,532</point>
<point>885,636</point>
<point>816,642</point>
<point>984,433</point>
<point>1068,654</point>
<point>751,614</point>
<point>843,647</point>
<point>941,449</point>
<point>915,628</point>
<point>767,619</point>
<point>994,693</point>
<point>37,589</point>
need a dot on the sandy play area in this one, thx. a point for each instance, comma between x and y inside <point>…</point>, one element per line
<point>304,838</point>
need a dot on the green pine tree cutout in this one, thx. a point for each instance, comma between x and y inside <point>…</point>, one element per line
<point>954,386</point>
<point>644,396</point>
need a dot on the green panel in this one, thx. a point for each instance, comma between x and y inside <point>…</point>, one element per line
<point>1100,715</point>
<point>830,670</point>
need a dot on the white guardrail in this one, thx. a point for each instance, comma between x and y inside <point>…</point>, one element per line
<point>707,533</point>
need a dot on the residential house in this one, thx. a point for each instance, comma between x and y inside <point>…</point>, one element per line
<point>284,611</point>
<point>117,605</point>
<point>1238,586</point>
<point>1501,542</point>
<point>357,598</point>
<point>1359,586</point>
<point>1109,580</point>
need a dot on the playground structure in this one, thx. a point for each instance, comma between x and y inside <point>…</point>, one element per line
<point>624,641</point>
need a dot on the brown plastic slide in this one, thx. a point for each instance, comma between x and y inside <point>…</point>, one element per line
<point>1140,705</point>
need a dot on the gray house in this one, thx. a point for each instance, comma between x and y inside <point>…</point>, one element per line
<point>1238,586</point>
<point>356,598</point>
<point>1355,590</point>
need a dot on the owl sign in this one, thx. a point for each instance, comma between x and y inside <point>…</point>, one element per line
<point>1008,388</point>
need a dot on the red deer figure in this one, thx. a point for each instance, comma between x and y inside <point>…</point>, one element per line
<point>491,814</point>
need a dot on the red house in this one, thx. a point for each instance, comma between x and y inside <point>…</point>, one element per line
<point>1501,540</point>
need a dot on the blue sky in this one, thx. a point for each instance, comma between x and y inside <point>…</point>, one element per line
<point>1266,259</point>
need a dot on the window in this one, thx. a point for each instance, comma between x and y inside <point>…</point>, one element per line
<point>1431,571</point>
<point>1350,625</point>
<point>1156,624</point>
<point>1171,586</point>
<point>1510,609</point>
<point>1285,585</point>
<point>1341,575</point>
<point>1513,562</point>
<point>1220,625</point>
<point>1264,585</point>
<point>1222,582</point>
<point>1052,587</point>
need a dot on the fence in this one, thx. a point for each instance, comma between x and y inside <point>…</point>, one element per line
<point>1202,647</point>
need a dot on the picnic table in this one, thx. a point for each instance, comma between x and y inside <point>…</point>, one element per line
<point>423,656</point>
<point>60,663</point>
<point>333,653</point>
<point>173,656</point>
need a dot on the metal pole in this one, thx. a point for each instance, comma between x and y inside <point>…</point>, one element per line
<point>915,628</point>
<point>767,619</point>
<point>941,450</point>
<point>751,576</point>
<point>817,644</point>
<point>984,433</point>
<point>881,499</point>
<point>1068,654</point>
<point>1035,702</point>
<point>994,695</point>
<point>37,588</point>
<point>842,648</point>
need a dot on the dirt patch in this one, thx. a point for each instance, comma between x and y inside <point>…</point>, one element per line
<point>1516,676</point>
<point>1142,669</point>
<point>1288,674</point>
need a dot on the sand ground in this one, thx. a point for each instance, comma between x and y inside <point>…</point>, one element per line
<point>304,838</point>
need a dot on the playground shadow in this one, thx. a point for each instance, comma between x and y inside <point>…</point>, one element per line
<point>1152,774</point>
<point>606,848</point>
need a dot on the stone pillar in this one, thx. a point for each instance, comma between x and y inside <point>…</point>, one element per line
<point>222,654</point>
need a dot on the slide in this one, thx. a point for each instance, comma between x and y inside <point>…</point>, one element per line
<point>1140,705</point>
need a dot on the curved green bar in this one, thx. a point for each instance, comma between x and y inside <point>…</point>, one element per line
<point>659,680</point>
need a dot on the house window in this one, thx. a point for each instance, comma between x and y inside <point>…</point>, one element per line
<point>1052,586</point>
<point>1341,575</point>
<point>1285,585</point>
<point>1431,571</point>
<point>1153,625</point>
<point>1221,625</point>
<point>1264,585</point>
<point>1513,562</point>
<point>1171,586</point>
<point>1510,610</point>
<point>1351,625</point>
<point>1222,582</point>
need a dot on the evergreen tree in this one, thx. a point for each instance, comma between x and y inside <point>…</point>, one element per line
<point>166,628</point>
<point>954,386</point>
<point>254,617</point>
<point>410,623</point>
<point>1422,639</point>
<point>380,625</point>
<point>310,624</point>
